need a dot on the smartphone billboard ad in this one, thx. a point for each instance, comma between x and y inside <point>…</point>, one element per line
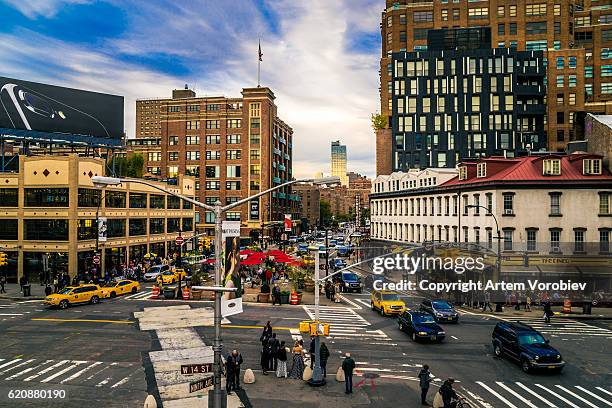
<point>48,108</point>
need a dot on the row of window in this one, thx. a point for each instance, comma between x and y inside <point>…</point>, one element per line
<point>210,139</point>
<point>211,107</point>
<point>421,233</point>
<point>255,123</point>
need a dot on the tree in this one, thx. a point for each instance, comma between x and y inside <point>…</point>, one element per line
<point>379,122</point>
<point>325,214</point>
<point>132,166</point>
<point>365,214</point>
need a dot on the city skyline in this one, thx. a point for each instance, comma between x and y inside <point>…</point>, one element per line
<point>111,47</point>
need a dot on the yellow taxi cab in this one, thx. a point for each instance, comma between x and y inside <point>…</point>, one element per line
<point>308,260</point>
<point>170,277</point>
<point>121,287</point>
<point>70,295</point>
<point>387,302</point>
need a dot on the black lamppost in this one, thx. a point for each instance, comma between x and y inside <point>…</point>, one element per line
<point>180,262</point>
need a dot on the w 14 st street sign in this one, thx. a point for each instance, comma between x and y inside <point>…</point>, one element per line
<point>190,369</point>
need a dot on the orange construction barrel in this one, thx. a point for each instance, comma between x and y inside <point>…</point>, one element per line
<point>185,293</point>
<point>294,298</point>
<point>155,292</point>
<point>567,306</point>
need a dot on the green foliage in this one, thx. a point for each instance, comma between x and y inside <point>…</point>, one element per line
<point>128,167</point>
<point>325,214</point>
<point>379,122</point>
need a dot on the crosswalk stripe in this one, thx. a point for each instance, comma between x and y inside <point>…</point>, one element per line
<point>547,402</point>
<point>79,373</point>
<point>14,367</point>
<point>123,380</point>
<point>103,382</point>
<point>558,396</point>
<point>500,397</point>
<point>517,395</point>
<point>10,362</point>
<point>27,370</point>
<point>576,396</point>
<point>99,371</point>
<point>604,390</point>
<point>593,395</point>
<point>46,370</point>
<point>65,370</point>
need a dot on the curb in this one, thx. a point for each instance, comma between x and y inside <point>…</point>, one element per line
<point>21,297</point>
<point>513,316</point>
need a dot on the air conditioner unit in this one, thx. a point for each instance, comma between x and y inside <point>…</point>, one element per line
<point>548,172</point>
<point>508,211</point>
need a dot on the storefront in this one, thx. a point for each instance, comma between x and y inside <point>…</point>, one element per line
<point>45,265</point>
<point>114,258</point>
<point>10,270</point>
<point>137,252</point>
<point>85,261</point>
<point>158,248</point>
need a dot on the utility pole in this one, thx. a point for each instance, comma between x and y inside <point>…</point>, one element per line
<point>317,379</point>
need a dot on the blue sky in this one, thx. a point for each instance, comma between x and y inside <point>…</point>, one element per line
<point>321,58</point>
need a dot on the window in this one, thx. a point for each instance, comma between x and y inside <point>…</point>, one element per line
<point>115,199</point>
<point>402,36</point>
<point>157,226</point>
<point>606,87</point>
<point>254,139</point>
<point>481,170</point>
<point>9,197</point>
<point>115,228</point>
<point>154,156</point>
<point>46,197</point>
<point>192,155</point>
<point>233,171</point>
<point>531,239</point>
<point>508,240</point>
<point>213,139</point>
<point>255,154</point>
<point>213,124</point>
<point>213,171</point>
<point>557,27</point>
<point>232,185</point>
<point>255,123</point>
<point>192,124</point>
<point>213,107</point>
<point>555,203</point>
<point>233,216</point>
<point>45,230</point>
<point>422,16</point>
<point>604,240</point>
<point>535,27</point>
<point>173,140</point>
<point>456,14</point>
<point>537,45</point>
<point>560,62</point>
<point>501,29</point>
<point>508,203</point>
<point>535,9</point>
<point>138,200</point>
<point>213,185</point>
<point>606,35</point>
<point>255,170</point>
<point>172,171</point>
<point>192,140</point>
<point>512,11</point>
<point>572,99</point>
<point>555,238</point>
<point>232,139</point>
<point>402,19</point>
<point>420,33</point>
<point>605,19</point>
<point>213,155</point>
<point>234,123</point>
<point>444,14</point>
<point>192,170</point>
<point>138,226</point>
<point>551,167</point>
<point>193,108</point>
<point>174,108</point>
<point>501,11</point>
<point>87,197</point>
<point>571,80</point>
<point>232,154</point>
<point>86,229</point>
<point>478,12</point>
<point>579,240</point>
<point>174,203</point>
<point>591,166</point>
<point>157,201</point>
<point>173,156</point>
<point>604,203</point>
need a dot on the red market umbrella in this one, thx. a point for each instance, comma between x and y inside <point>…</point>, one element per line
<point>247,252</point>
<point>251,261</point>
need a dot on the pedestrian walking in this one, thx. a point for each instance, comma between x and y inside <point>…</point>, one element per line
<point>232,363</point>
<point>47,290</point>
<point>266,334</point>
<point>324,356</point>
<point>424,380</point>
<point>297,369</point>
<point>548,313</point>
<point>22,282</point>
<point>274,345</point>
<point>348,365</point>
<point>281,356</point>
<point>265,356</point>
<point>2,283</point>
<point>487,302</point>
<point>276,295</point>
<point>332,293</point>
<point>528,303</point>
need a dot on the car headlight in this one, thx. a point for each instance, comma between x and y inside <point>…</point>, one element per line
<point>558,356</point>
<point>439,314</point>
<point>537,358</point>
<point>422,333</point>
<point>346,284</point>
<point>441,333</point>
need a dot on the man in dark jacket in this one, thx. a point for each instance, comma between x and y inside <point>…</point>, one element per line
<point>311,351</point>
<point>448,394</point>
<point>274,346</point>
<point>324,355</point>
<point>232,363</point>
<point>276,295</point>
<point>348,365</point>
<point>424,380</point>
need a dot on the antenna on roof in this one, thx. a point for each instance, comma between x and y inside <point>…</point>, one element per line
<point>186,87</point>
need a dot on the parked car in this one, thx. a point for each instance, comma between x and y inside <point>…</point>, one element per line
<point>154,272</point>
<point>387,302</point>
<point>350,282</point>
<point>121,287</point>
<point>71,295</point>
<point>420,326</point>
<point>338,263</point>
<point>441,310</point>
<point>302,248</point>
<point>173,276</point>
<point>526,346</point>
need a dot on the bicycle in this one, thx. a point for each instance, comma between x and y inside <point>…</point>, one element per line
<point>461,403</point>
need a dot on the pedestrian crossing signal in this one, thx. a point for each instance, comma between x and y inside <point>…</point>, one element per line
<point>3,259</point>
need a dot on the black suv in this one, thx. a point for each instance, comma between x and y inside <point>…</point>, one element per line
<point>525,345</point>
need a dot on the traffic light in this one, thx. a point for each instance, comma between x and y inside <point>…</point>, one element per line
<point>3,259</point>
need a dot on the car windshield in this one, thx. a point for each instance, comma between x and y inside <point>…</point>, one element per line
<point>65,291</point>
<point>390,296</point>
<point>154,269</point>
<point>531,338</point>
<point>441,305</point>
<point>350,276</point>
<point>424,319</point>
<point>168,273</point>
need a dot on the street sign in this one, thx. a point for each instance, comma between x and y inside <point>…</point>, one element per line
<point>96,260</point>
<point>190,369</point>
<point>230,229</point>
<point>179,240</point>
<point>288,223</point>
<point>201,384</point>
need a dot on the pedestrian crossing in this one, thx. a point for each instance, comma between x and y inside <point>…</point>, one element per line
<point>567,327</point>
<point>144,295</point>
<point>500,394</point>
<point>72,372</point>
<point>346,324</point>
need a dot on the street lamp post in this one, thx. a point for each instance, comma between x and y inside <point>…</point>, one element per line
<point>100,182</point>
<point>317,379</point>
<point>498,261</point>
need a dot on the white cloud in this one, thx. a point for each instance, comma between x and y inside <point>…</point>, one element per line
<point>33,9</point>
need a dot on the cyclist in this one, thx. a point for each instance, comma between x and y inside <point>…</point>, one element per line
<point>449,396</point>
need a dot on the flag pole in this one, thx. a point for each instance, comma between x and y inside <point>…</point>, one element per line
<point>259,55</point>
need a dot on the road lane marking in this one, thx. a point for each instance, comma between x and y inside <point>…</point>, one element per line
<point>602,389</point>
<point>10,362</point>
<point>11,314</point>
<point>231,326</point>
<point>123,380</point>
<point>517,395</point>
<point>46,370</point>
<point>550,404</point>
<point>103,382</point>
<point>48,319</point>
<point>500,397</point>
<point>593,395</point>
<point>557,395</point>
<point>350,302</point>
<point>27,370</point>
<point>18,365</point>
<point>79,373</point>
<point>99,371</point>
<point>65,370</point>
<point>576,396</point>
<point>454,337</point>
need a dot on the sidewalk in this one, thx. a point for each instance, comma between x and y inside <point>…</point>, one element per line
<point>597,313</point>
<point>13,293</point>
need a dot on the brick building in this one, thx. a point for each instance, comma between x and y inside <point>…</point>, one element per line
<point>310,200</point>
<point>234,147</point>
<point>572,35</point>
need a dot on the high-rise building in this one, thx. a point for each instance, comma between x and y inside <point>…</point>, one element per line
<point>338,162</point>
<point>461,98</point>
<point>571,34</point>
<point>234,147</point>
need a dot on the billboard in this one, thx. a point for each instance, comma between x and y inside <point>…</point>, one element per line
<point>54,109</point>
